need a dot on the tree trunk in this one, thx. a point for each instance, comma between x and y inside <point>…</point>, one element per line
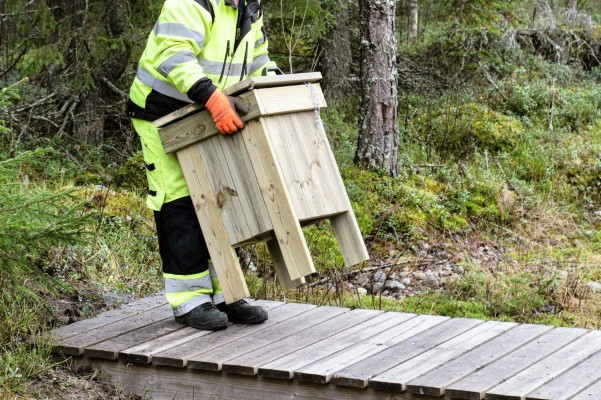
<point>336,58</point>
<point>412,18</point>
<point>378,142</point>
<point>93,101</point>
<point>96,56</point>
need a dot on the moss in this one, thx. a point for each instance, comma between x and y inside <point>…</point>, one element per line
<point>132,175</point>
<point>462,130</point>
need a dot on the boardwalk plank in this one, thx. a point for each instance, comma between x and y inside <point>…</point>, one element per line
<point>109,349</point>
<point>214,359</point>
<point>475,385</point>
<point>322,371</point>
<point>592,392</point>
<point>75,345</point>
<point>436,380</point>
<point>396,378</point>
<point>357,375</point>
<point>285,367</point>
<point>108,317</point>
<point>178,356</point>
<point>143,352</point>
<point>551,367</point>
<point>571,382</point>
<point>248,363</point>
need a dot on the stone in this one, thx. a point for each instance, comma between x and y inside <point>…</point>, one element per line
<point>361,291</point>
<point>431,282</point>
<point>394,285</point>
<point>594,286</point>
<point>362,279</point>
<point>419,275</point>
<point>458,269</point>
<point>377,287</point>
<point>379,276</point>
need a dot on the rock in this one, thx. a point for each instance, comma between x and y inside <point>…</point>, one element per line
<point>594,286</point>
<point>431,282</point>
<point>394,285</point>
<point>406,281</point>
<point>377,287</point>
<point>361,291</point>
<point>379,276</point>
<point>419,275</point>
<point>362,279</point>
<point>458,269</point>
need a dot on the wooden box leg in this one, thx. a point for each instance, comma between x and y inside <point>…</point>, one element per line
<point>349,238</point>
<point>280,266</point>
<point>222,253</point>
<point>286,226</point>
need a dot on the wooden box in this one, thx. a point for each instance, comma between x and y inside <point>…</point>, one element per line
<point>265,182</point>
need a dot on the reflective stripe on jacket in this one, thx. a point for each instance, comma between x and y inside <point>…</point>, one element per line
<point>195,43</point>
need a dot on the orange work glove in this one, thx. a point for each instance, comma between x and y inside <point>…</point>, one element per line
<point>226,111</point>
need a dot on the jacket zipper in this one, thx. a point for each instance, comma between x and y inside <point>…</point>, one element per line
<point>243,72</point>
<point>227,54</point>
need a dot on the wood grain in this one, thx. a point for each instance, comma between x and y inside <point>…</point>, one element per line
<point>396,378</point>
<point>530,379</point>
<point>475,385</point>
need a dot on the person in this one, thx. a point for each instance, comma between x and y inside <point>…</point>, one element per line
<point>195,50</point>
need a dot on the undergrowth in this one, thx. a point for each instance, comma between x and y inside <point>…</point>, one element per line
<point>513,165</point>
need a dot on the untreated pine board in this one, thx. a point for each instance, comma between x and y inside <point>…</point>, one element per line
<point>345,225</point>
<point>358,374</point>
<point>260,102</point>
<point>178,356</point>
<point>245,182</point>
<point>322,370</point>
<point>322,190</point>
<point>590,393</point>
<point>143,352</point>
<point>270,81</point>
<point>285,367</point>
<point>475,385</point>
<point>570,382</point>
<point>164,383</point>
<point>290,170</point>
<point>435,381</point>
<point>244,86</point>
<point>110,348</point>
<point>232,214</point>
<point>279,264</point>
<point>316,140</point>
<point>223,255</point>
<point>108,317</point>
<point>289,99</point>
<point>248,363</point>
<point>75,345</point>
<point>200,126</point>
<point>547,369</point>
<point>396,378</point>
<point>214,359</point>
<point>286,228</point>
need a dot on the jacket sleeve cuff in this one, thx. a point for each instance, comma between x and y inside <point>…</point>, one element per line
<point>201,91</point>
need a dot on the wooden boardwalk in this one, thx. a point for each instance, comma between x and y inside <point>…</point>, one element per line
<point>309,352</point>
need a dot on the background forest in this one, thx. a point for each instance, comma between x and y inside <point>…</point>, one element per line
<point>485,204</point>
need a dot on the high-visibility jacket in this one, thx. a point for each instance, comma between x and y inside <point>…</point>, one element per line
<point>196,47</point>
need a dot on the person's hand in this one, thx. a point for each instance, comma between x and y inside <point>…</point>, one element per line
<point>226,111</point>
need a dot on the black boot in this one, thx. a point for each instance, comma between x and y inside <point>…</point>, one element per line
<point>204,317</point>
<point>240,312</point>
